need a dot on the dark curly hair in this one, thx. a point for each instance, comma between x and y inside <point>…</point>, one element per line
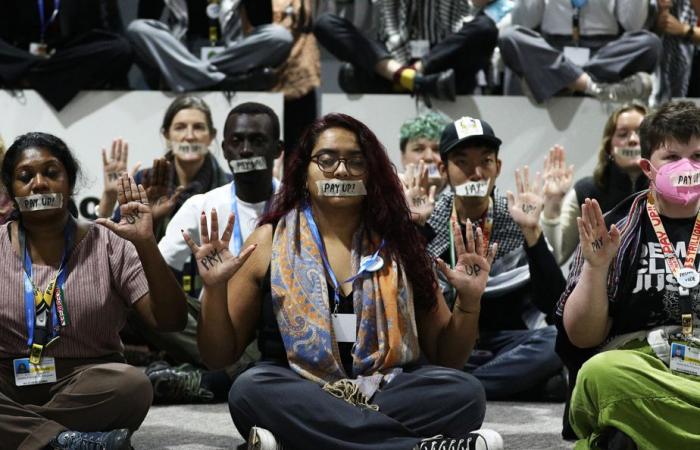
<point>385,210</point>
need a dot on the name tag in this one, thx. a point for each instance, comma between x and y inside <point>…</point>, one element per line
<point>419,48</point>
<point>207,53</point>
<point>28,374</point>
<point>578,55</point>
<point>39,49</point>
<point>338,188</point>
<point>344,327</point>
<point>685,359</point>
<point>248,165</point>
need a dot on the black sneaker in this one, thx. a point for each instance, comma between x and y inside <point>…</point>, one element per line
<point>181,384</point>
<point>260,79</point>
<point>77,440</point>
<point>440,86</point>
<point>483,439</point>
<point>353,80</point>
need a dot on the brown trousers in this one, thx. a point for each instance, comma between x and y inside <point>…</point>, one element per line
<point>90,395</point>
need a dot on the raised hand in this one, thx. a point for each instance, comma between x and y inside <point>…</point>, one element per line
<point>136,224</point>
<point>598,245</point>
<point>215,262</point>
<point>115,165</point>
<point>157,184</point>
<point>558,178</point>
<point>471,271</point>
<point>525,207</point>
<point>419,197</point>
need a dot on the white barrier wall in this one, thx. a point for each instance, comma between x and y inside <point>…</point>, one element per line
<point>528,130</point>
<point>94,118</point>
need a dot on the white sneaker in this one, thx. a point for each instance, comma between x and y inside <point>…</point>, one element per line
<point>483,439</point>
<point>262,439</point>
<point>634,87</point>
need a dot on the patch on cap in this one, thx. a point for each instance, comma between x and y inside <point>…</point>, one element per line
<point>468,126</point>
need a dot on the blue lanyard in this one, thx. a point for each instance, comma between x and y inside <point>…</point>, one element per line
<point>29,288</point>
<point>578,4</point>
<point>237,234</point>
<point>44,25</point>
<point>321,248</point>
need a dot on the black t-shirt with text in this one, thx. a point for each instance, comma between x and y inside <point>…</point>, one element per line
<point>653,294</point>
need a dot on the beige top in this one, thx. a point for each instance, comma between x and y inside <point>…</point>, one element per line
<point>105,278</point>
<point>302,71</point>
<point>562,232</point>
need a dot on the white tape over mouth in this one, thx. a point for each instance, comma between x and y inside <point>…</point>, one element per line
<point>248,164</point>
<point>473,188</point>
<point>627,152</point>
<point>188,148</point>
<point>341,188</point>
<point>39,202</point>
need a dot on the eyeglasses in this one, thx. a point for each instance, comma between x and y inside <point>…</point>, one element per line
<point>328,163</point>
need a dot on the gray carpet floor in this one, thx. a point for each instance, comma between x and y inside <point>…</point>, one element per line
<point>526,426</point>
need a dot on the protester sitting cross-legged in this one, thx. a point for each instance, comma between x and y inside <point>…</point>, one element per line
<point>617,175</point>
<point>632,299</point>
<point>514,354</point>
<point>67,288</point>
<point>596,47</point>
<point>251,144</point>
<point>358,347</point>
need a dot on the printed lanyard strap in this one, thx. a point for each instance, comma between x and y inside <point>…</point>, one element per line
<point>329,270</point>
<point>487,227</point>
<point>38,306</point>
<point>237,234</point>
<point>686,276</point>
<point>576,19</point>
<point>43,23</point>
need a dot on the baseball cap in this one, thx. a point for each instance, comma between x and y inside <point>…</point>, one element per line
<point>467,129</point>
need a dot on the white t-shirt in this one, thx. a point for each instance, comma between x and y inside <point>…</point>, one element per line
<point>173,247</point>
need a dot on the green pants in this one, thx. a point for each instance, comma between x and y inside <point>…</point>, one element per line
<point>633,391</point>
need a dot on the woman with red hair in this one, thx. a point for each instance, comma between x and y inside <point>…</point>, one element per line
<point>359,349</point>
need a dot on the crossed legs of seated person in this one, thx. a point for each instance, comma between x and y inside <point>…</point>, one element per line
<point>92,401</point>
<point>522,364</point>
<point>418,404</point>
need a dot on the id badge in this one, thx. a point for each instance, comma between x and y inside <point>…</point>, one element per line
<point>418,48</point>
<point>685,359</point>
<point>578,55</point>
<point>28,374</point>
<point>39,49</point>
<point>345,327</point>
<point>207,53</point>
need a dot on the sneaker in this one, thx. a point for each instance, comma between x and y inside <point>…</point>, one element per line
<point>180,384</point>
<point>635,87</point>
<point>259,79</point>
<point>262,439</point>
<point>483,439</point>
<point>439,85</point>
<point>77,440</point>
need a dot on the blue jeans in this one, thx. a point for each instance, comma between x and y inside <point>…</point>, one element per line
<point>520,360</point>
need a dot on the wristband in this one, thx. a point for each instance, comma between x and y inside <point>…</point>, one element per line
<point>688,36</point>
<point>464,310</point>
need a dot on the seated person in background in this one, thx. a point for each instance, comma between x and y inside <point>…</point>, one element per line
<point>74,283</point>
<point>617,176</point>
<point>676,23</point>
<point>349,380</point>
<point>60,47</point>
<point>418,141</point>
<point>632,298</point>
<point>524,281</point>
<point>6,204</point>
<point>251,144</point>
<point>431,54</point>
<point>205,45</point>
<point>593,56</point>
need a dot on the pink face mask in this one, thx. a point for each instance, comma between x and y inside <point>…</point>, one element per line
<point>679,181</point>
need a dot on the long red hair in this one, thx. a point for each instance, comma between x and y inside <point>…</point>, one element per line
<point>385,210</point>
